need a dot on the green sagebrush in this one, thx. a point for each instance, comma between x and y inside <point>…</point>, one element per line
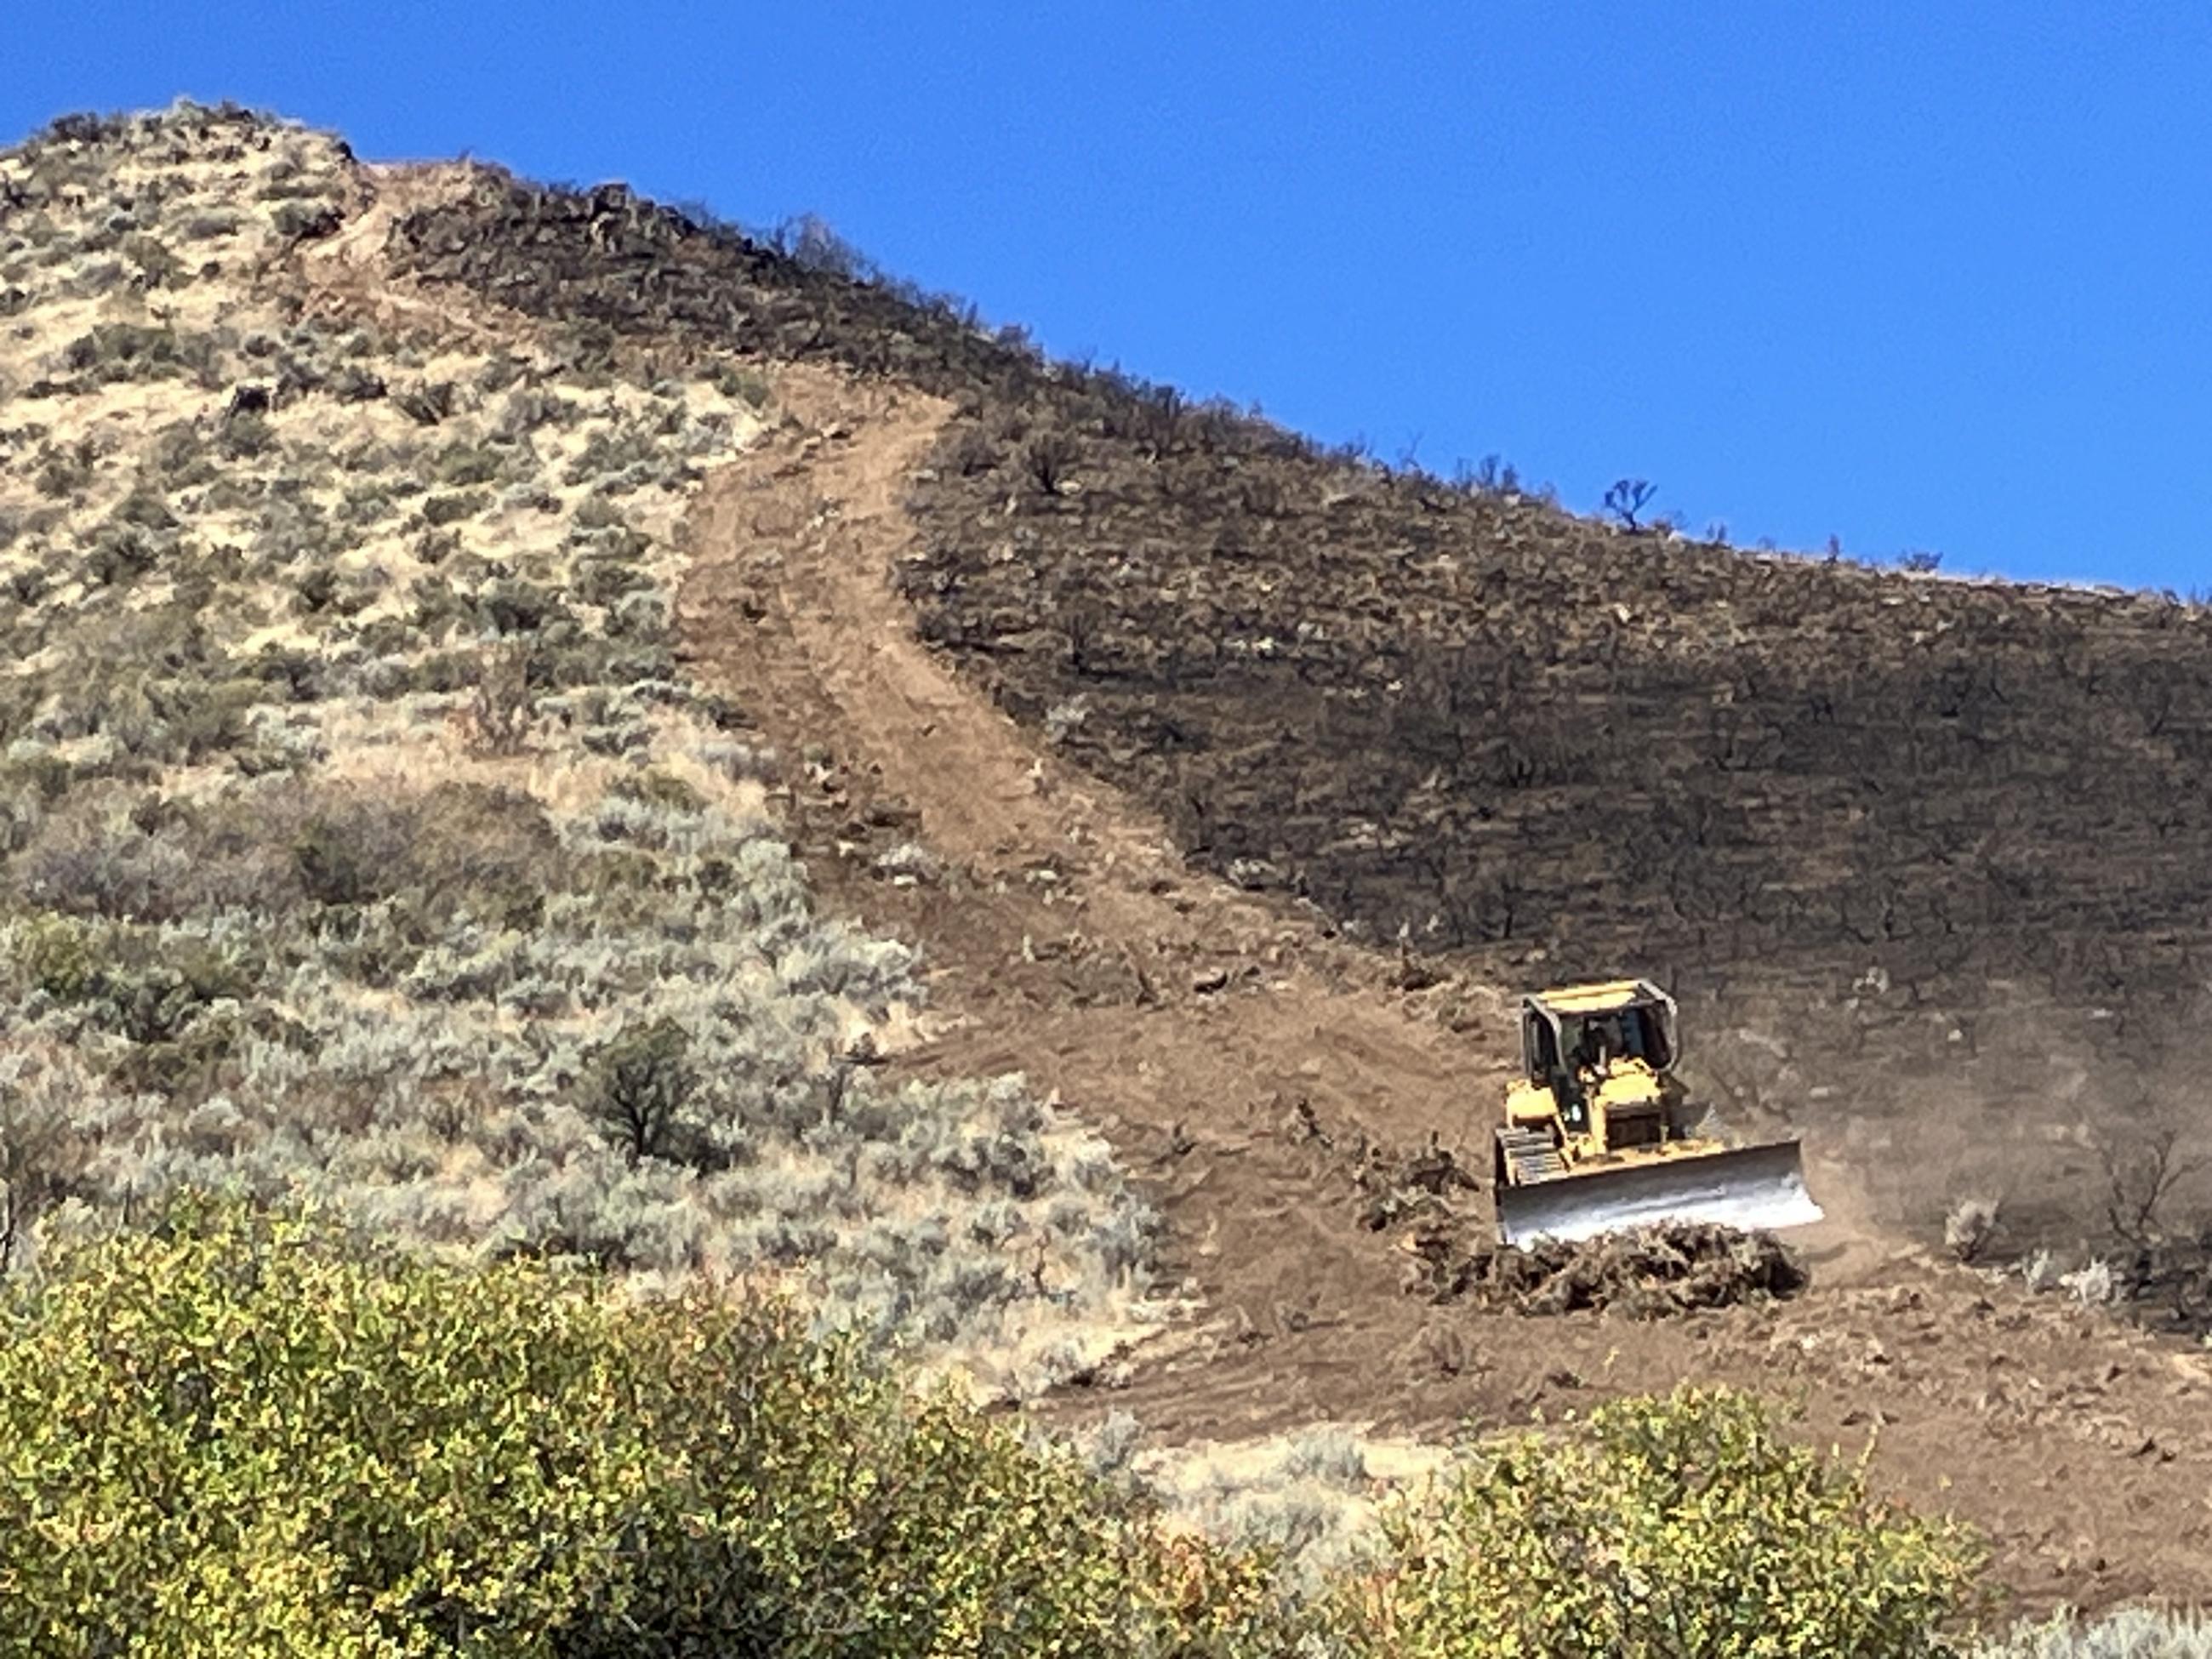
<point>237,1435</point>
<point>2123,1633</point>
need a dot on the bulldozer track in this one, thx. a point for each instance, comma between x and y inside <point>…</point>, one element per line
<point>1531,1156</point>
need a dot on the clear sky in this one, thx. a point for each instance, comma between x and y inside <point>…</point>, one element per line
<point>1919,275</point>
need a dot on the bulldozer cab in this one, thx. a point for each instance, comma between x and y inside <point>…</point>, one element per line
<point>1566,1035</point>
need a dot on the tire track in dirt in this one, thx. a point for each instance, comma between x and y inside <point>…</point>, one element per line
<point>1065,938</point>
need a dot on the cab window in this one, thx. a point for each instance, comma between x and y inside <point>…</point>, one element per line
<point>1648,1033</point>
<point>1540,1049</point>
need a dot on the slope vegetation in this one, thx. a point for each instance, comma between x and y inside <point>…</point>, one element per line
<point>364,837</point>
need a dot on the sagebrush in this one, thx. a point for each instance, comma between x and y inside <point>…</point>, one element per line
<point>358,818</point>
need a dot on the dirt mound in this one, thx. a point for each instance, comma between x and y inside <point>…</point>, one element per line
<point>1651,1274</point>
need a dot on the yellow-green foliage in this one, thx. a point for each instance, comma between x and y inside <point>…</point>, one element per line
<point>237,1435</point>
<point>243,1436</point>
<point>1676,1527</point>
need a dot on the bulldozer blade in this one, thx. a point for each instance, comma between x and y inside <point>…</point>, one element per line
<point>1751,1188</point>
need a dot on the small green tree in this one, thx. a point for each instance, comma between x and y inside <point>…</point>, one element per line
<point>1664,1528</point>
<point>638,1088</point>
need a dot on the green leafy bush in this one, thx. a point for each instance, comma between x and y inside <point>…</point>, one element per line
<point>1675,1526</point>
<point>239,1435</point>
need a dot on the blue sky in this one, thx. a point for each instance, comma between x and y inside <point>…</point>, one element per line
<point>1916,276</point>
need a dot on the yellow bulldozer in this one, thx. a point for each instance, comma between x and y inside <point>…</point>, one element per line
<point>1599,1136</point>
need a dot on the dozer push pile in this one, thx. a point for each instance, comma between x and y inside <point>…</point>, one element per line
<point>1599,1135</point>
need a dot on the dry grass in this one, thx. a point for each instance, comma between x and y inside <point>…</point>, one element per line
<point>1313,1496</point>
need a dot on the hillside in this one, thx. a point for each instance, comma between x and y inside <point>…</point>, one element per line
<point>558,728</point>
<point>1934,839</point>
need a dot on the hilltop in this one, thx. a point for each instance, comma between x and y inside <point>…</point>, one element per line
<point>567,728</point>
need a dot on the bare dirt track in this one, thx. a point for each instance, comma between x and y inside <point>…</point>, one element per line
<point>1194,1023</point>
